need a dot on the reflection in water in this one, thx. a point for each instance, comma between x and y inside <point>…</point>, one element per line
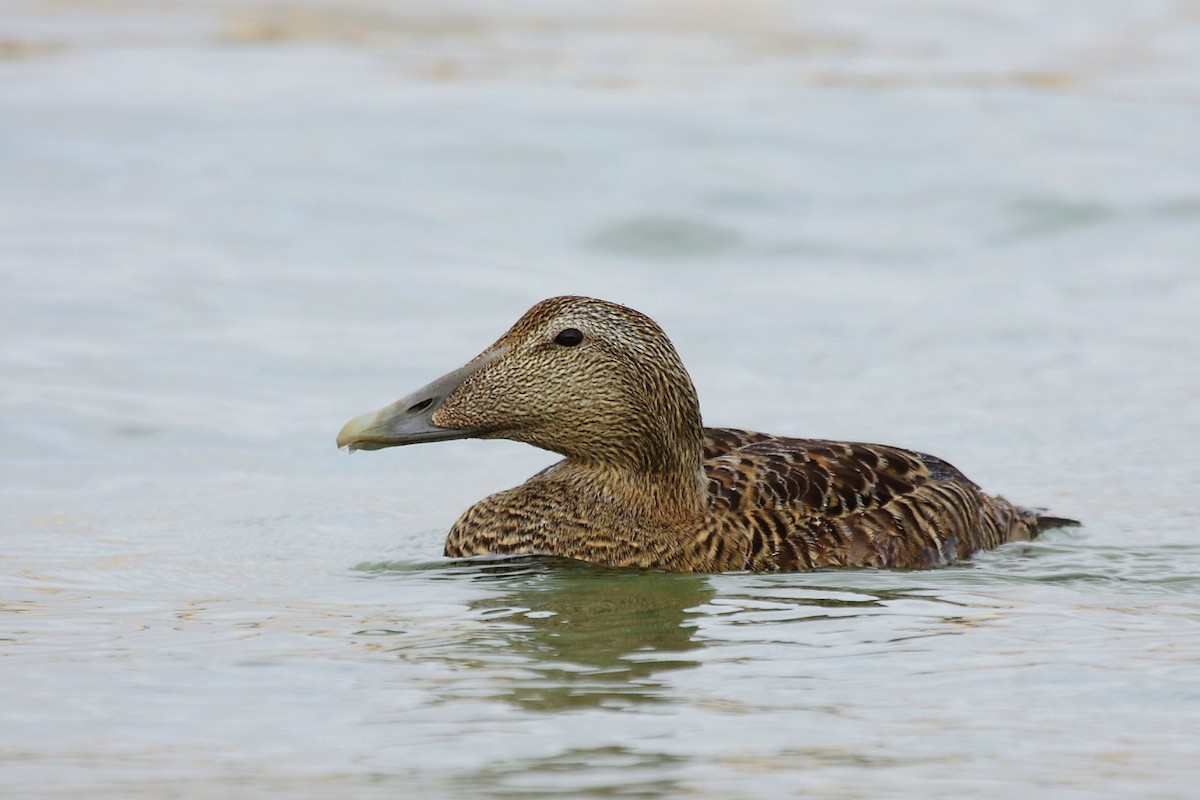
<point>548,634</point>
<point>561,634</point>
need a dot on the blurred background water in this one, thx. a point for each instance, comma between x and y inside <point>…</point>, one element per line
<point>228,226</point>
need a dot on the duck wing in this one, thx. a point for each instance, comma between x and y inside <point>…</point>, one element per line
<point>807,503</point>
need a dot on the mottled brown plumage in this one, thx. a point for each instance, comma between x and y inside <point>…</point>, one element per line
<point>643,484</point>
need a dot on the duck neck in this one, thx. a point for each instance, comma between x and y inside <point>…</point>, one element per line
<point>653,469</point>
<point>671,496</point>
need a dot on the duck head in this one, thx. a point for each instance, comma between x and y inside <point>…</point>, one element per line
<point>592,380</point>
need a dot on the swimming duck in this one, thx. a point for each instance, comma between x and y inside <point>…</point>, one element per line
<point>644,484</point>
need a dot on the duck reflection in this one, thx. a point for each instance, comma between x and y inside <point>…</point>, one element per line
<point>552,634</point>
<point>591,636</point>
<point>545,633</point>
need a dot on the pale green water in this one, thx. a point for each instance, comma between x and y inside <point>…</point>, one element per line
<point>227,227</point>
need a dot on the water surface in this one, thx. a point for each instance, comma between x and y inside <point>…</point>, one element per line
<point>225,228</point>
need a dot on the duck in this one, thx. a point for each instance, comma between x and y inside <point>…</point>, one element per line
<point>644,484</point>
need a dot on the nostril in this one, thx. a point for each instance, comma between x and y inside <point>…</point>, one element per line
<point>421,406</point>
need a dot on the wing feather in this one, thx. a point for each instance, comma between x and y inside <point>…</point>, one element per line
<point>825,503</point>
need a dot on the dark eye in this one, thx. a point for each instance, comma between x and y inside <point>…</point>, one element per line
<point>569,337</point>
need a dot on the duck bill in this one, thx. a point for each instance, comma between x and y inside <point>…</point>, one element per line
<point>409,420</point>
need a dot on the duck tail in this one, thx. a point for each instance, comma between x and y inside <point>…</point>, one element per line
<point>1026,524</point>
<point>1045,522</point>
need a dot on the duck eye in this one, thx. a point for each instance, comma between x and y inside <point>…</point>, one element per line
<point>569,337</point>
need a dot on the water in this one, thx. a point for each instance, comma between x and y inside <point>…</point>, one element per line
<point>227,227</point>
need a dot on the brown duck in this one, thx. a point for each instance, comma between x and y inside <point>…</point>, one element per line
<point>644,484</point>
